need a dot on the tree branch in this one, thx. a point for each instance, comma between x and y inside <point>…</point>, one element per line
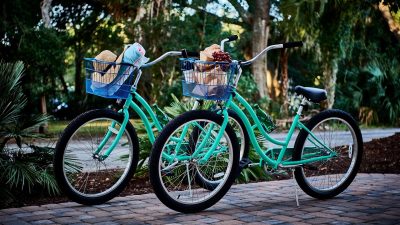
<point>223,18</point>
<point>239,8</point>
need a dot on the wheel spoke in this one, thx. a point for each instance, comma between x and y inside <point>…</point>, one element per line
<point>329,174</point>
<point>96,177</point>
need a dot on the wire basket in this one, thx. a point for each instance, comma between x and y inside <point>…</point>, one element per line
<point>108,79</point>
<point>207,80</point>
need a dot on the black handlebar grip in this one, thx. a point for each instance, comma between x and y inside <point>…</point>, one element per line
<point>232,38</point>
<point>293,44</point>
<point>187,54</point>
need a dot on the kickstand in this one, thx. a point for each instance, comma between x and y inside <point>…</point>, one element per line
<point>295,188</point>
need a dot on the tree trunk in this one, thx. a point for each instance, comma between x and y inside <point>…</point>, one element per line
<point>393,26</point>
<point>284,81</point>
<point>45,7</point>
<point>330,72</point>
<point>260,26</point>
<point>63,83</point>
<point>140,14</point>
<point>78,74</point>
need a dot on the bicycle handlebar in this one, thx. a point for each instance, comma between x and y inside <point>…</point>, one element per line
<point>277,46</point>
<point>232,38</point>
<point>183,53</point>
<point>293,44</point>
<point>186,54</point>
<point>170,53</point>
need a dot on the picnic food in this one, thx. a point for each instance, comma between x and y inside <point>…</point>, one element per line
<point>103,73</point>
<point>212,75</point>
<point>220,56</point>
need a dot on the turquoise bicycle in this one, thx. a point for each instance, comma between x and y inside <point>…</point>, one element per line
<point>98,152</point>
<point>325,157</point>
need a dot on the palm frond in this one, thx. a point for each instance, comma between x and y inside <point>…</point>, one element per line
<point>18,175</point>
<point>12,100</point>
<point>178,107</point>
<point>47,181</point>
<point>26,126</point>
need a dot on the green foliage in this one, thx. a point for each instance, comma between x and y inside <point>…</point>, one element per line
<point>12,100</point>
<point>43,51</point>
<point>247,88</point>
<point>178,107</point>
<point>78,29</point>
<point>89,29</point>
<point>167,90</point>
<point>368,78</point>
<point>24,167</point>
<point>16,16</point>
<point>145,149</point>
<point>255,173</point>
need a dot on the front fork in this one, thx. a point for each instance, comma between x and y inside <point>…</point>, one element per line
<point>210,151</point>
<point>217,139</point>
<point>111,130</point>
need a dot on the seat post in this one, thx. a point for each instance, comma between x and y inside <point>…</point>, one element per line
<point>302,104</point>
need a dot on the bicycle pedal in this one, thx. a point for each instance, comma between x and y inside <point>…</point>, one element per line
<point>244,163</point>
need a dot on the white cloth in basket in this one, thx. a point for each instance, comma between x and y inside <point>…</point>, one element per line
<point>133,54</point>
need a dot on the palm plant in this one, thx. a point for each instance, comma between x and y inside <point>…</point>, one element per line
<point>25,167</point>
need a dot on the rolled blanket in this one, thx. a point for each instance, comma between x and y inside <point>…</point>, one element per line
<point>117,74</point>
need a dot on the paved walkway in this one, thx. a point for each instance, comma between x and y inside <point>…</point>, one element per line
<point>372,198</point>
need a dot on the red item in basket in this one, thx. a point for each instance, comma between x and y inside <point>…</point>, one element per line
<point>221,56</point>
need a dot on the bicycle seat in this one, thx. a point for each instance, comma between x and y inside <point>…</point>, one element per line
<point>315,95</point>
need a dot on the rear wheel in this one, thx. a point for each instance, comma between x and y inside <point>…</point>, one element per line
<point>84,176</point>
<point>338,131</point>
<point>173,167</point>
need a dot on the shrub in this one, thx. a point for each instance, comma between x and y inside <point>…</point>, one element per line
<point>26,168</point>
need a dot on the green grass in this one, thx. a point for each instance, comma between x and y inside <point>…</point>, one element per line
<point>57,127</point>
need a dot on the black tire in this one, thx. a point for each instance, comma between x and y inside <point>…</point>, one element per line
<point>62,166</point>
<point>308,175</point>
<point>244,148</point>
<point>155,159</point>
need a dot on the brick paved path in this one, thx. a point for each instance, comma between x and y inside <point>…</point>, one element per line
<point>372,198</point>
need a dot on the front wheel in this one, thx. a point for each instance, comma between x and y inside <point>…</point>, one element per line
<point>82,174</point>
<point>243,140</point>
<point>338,131</point>
<point>174,164</point>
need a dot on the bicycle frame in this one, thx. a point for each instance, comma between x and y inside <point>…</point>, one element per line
<point>129,103</point>
<point>279,162</point>
<point>148,124</point>
<point>274,163</point>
